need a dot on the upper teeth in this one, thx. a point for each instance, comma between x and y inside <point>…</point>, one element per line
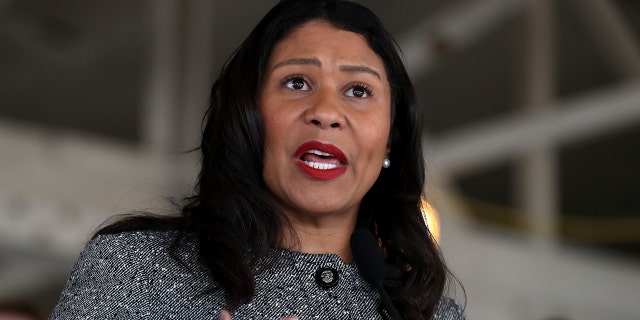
<point>320,153</point>
<point>321,166</point>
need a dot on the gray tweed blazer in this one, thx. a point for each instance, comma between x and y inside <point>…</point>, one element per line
<point>131,275</point>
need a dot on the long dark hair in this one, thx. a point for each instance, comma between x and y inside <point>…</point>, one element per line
<point>233,216</point>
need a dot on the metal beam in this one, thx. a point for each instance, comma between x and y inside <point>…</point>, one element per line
<point>535,179</point>
<point>579,118</point>
<point>457,27</point>
<point>615,39</point>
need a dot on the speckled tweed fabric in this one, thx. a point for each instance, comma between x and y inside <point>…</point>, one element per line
<point>131,275</point>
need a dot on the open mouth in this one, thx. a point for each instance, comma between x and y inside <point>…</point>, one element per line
<point>321,160</point>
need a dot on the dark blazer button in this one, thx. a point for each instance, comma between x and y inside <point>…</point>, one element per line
<point>327,277</point>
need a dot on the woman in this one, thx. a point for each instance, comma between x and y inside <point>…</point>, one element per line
<point>303,118</point>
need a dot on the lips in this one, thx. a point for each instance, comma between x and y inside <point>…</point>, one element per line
<point>321,161</point>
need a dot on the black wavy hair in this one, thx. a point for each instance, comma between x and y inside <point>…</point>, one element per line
<point>232,213</point>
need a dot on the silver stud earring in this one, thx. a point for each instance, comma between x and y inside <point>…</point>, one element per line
<point>386,163</point>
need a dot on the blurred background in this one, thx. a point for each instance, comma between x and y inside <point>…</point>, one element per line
<point>532,112</point>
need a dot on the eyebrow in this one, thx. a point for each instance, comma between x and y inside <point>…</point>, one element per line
<point>298,61</point>
<point>316,62</point>
<point>360,69</point>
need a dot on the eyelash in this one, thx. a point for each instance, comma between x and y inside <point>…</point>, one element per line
<point>367,89</point>
<point>364,87</point>
<point>294,77</point>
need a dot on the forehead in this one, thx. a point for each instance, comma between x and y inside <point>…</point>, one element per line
<point>319,37</point>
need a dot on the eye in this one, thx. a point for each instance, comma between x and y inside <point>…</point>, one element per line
<point>359,91</point>
<point>296,82</point>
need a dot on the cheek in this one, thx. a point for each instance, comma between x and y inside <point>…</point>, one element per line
<point>275,153</point>
<point>269,141</point>
<point>270,165</point>
<point>376,138</point>
<point>270,122</point>
<point>272,142</point>
<point>274,119</point>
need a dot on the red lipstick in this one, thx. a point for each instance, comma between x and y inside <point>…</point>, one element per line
<point>321,161</point>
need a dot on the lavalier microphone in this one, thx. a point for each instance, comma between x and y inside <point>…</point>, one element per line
<point>368,256</point>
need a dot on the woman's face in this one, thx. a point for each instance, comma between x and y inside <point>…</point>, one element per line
<point>325,102</point>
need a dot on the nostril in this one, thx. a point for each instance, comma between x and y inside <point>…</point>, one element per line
<point>316,122</point>
<point>335,125</point>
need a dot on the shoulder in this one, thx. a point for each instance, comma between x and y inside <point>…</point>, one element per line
<point>132,253</point>
<point>129,250</point>
<point>122,273</point>
<point>120,245</point>
<point>448,309</point>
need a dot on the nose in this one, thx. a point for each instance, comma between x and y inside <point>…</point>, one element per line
<point>326,111</point>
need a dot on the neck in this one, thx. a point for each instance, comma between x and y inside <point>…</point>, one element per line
<point>321,235</point>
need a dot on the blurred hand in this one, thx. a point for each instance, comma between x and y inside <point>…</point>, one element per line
<point>225,315</point>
